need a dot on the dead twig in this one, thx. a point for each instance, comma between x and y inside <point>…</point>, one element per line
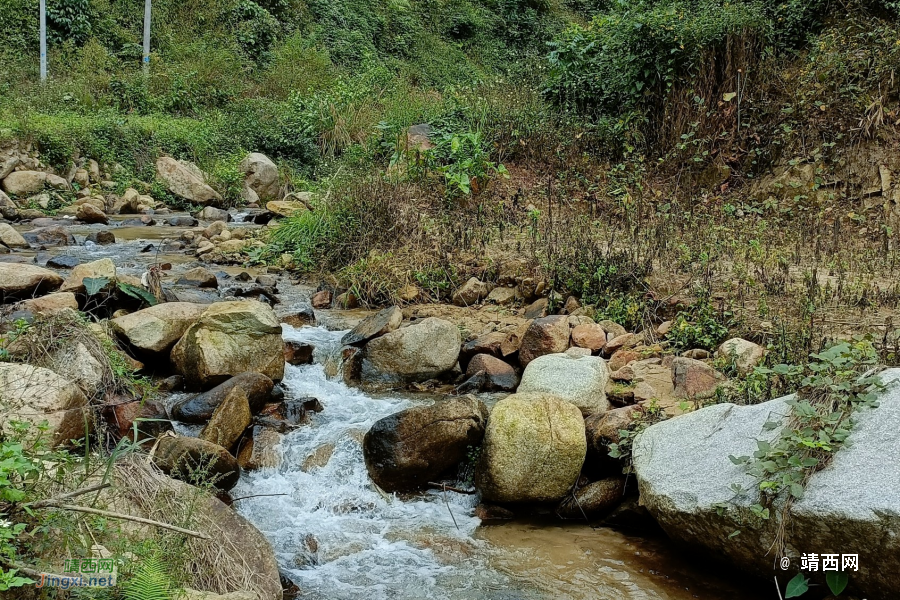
<point>445,487</point>
<point>68,496</point>
<point>123,517</point>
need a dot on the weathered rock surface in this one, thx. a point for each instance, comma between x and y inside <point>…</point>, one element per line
<point>471,292</point>
<point>853,505</point>
<point>579,380</point>
<point>88,213</point>
<point>534,447</point>
<point>260,175</point>
<point>498,375</point>
<point>230,338</point>
<point>258,450</point>
<point>11,238</point>
<point>590,336</point>
<point>35,394</point>
<point>547,335</point>
<point>104,268</point>
<point>199,277</point>
<point>406,450</point>
<point>602,429</point>
<point>229,420</point>
<point>50,236</point>
<point>155,330</point>
<point>414,353</point>
<point>693,379</point>
<point>186,181</point>
<point>19,282</point>
<point>745,354</point>
<point>382,322</point>
<point>194,460</point>
<point>200,408</point>
<point>49,304</point>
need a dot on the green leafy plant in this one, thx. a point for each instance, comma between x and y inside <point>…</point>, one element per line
<point>464,163</point>
<point>651,414</point>
<point>151,581</point>
<point>797,586</point>
<point>700,327</point>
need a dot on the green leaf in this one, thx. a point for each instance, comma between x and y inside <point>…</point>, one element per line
<point>137,293</point>
<point>734,533</point>
<point>93,285</point>
<point>797,586</point>
<point>836,581</point>
<point>797,491</point>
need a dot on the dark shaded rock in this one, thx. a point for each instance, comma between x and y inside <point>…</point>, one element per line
<point>298,353</point>
<point>301,318</point>
<point>201,407</point>
<point>182,222</point>
<point>487,344</point>
<point>474,384</point>
<point>63,262</point>
<point>104,238</point>
<point>498,375</point>
<point>491,513</point>
<point>631,516</point>
<point>196,461</point>
<point>382,322</point>
<point>593,500</point>
<point>229,420</point>
<point>601,430</point>
<point>243,276</point>
<point>149,418</point>
<point>408,449</point>
<point>171,384</point>
<point>537,309</point>
<point>548,335</point>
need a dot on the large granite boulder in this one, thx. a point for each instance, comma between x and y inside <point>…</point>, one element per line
<point>230,338</point>
<point>19,282</point>
<point>534,447</point>
<point>580,380</point>
<point>260,175</point>
<point>406,450</point>
<point>155,330</point>
<point>687,481</point>
<point>34,394</point>
<point>415,353</point>
<point>186,181</point>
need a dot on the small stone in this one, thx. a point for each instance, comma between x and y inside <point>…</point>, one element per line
<point>103,238</point>
<point>298,353</point>
<point>199,277</point>
<point>590,335</point>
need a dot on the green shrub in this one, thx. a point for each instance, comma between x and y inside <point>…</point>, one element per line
<point>638,52</point>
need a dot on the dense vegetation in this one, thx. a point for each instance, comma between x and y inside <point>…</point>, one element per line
<point>599,140</point>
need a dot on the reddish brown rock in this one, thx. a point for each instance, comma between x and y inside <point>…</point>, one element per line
<point>491,513</point>
<point>498,375</point>
<point>622,358</point>
<point>298,353</point>
<point>321,299</point>
<point>549,335</point>
<point>490,343</point>
<point>593,500</point>
<point>590,336</point>
<point>694,380</point>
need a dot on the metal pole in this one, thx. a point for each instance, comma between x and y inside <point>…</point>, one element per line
<point>43,9</point>
<point>146,58</point>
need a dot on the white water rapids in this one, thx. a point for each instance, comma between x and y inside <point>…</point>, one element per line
<point>338,538</point>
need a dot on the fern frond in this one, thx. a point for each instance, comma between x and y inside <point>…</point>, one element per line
<point>151,581</point>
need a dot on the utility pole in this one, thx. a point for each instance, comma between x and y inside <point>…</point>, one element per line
<point>146,58</point>
<point>43,9</point>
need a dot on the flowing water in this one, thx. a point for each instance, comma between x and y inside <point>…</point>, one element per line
<point>337,537</point>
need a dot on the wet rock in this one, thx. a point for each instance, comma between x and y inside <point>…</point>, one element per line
<point>743,353</point>
<point>267,281</point>
<point>211,213</point>
<point>491,513</point>
<point>382,322</point>
<point>229,420</point>
<point>300,318</point>
<point>196,461</point>
<point>415,353</point>
<point>589,335</point>
<point>408,449</point>
<point>579,380</point>
<point>88,213</point>
<point>172,383</point>
<point>548,335</point>
<point>260,175</point>
<point>35,394</point>
<point>183,221</point>
<point>593,500</point>
<point>49,236</point>
<point>186,181</point>
<point>258,450</point>
<point>200,408</point>
<point>230,338</point>
<point>98,269</point>
<point>102,238</point>
<point>153,331</point>
<point>298,353</point>
<point>199,277</point>
<point>694,379</point>
<point>11,238</point>
<point>19,281</point>
<point>631,515</point>
<point>498,375</point>
<point>534,447</point>
<point>63,261</point>
<point>472,292</point>
<point>49,304</point>
<point>321,299</point>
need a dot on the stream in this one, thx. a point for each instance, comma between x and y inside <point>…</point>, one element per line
<point>337,537</point>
